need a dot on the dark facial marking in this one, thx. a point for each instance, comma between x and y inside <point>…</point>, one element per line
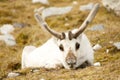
<point>71,59</point>
<point>87,22</point>
<point>70,35</point>
<point>63,36</point>
<point>77,46</point>
<point>61,47</point>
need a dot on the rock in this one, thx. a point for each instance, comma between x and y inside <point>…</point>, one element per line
<point>75,3</point>
<point>42,79</point>
<point>117,45</point>
<point>86,7</point>
<point>66,19</point>
<point>97,47</point>
<point>51,11</point>
<point>111,42</point>
<point>67,24</point>
<point>35,70</point>
<point>97,27</point>
<point>8,39</point>
<point>41,1</point>
<point>107,50</point>
<point>97,64</point>
<point>6,29</point>
<point>112,5</point>
<point>19,25</point>
<point>13,74</point>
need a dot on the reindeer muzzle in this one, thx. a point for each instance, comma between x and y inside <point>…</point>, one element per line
<point>71,59</point>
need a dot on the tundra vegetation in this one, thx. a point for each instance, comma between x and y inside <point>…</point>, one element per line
<point>22,11</point>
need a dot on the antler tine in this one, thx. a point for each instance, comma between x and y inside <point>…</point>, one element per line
<point>87,21</point>
<point>45,25</point>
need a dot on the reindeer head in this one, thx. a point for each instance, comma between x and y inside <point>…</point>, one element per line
<point>69,43</point>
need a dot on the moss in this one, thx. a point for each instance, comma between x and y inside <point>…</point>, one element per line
<point>22,39</point>
<point>3,0</point>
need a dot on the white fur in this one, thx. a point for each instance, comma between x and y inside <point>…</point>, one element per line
<point>49,55</point>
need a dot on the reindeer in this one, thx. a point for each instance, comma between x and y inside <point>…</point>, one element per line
<point>67,49</point>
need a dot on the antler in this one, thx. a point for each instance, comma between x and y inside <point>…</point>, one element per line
<point>75,35</point>
<point>87,21</point>
<point>45,25</point>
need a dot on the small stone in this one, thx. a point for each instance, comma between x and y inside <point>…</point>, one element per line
<point>97,27</point>
<point>97,64</point>
<point>111,42</point>
<point>97,47</point>
<point>42,79</point>
<point>19,25</point>
<point>41,1</point>
<point>107,51</point>
<point>117,45</point>
<point>13,74</point>
<point>75,2</point>
<point>35,70</point>
<point>52,11</point>
<point>8,39</point>
<point>103,32</point>
<point>6,29</point>
<point>67,24</point>
<point>66,19</point>
<point>86,7</point>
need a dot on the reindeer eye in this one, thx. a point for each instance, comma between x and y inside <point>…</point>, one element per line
<point>61,47</point>
<point>77,45</point>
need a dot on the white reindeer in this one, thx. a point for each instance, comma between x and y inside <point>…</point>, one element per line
<point>68,50</point>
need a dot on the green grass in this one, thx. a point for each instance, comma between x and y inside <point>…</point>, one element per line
<point>22,11</point>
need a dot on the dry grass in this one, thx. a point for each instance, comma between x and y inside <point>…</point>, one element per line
<point>22,11</point>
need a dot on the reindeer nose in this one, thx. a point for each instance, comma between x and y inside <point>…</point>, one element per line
<point>71,61</point>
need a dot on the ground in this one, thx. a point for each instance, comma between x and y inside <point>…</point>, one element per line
<point>22,11</point>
